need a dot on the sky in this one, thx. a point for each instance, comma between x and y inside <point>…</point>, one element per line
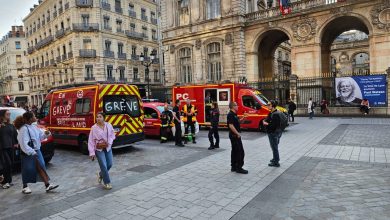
<point>12,12</point>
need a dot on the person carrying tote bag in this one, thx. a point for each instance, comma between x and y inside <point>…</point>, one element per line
<point>33,164</point>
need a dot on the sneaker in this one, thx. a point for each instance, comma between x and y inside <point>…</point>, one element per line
<point>26,190</point>
<point>107,186</point>
<point>274,164</point>
<point>6,186</point>
<point>51,187</point>
<point>242,171</point>
<point>99,178</point>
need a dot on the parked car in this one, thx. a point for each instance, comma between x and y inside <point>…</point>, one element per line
<point>47,146</point>
<point>152,121</point>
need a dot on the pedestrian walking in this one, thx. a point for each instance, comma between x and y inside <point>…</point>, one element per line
<point>237,154</point>
<point>324,107</point>
<point>274,131</point>
<point>213,132</point>
<point>291,109</point>
<point>33,164</point>
<point>8,141</point>
<point>189,113</point>
<point>166,118</point>
<point>177,121</point>
<point>100,142</point>
<point>310,108</point>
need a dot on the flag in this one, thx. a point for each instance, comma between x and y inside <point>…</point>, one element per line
<point>285,6</point>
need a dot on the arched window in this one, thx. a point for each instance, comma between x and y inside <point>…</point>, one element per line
<point>185,65</point>
<point>213,9</point>
<point>214,62</point>
<point>361,63</point>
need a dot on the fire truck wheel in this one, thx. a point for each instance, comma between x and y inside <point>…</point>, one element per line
<point>83,144</point>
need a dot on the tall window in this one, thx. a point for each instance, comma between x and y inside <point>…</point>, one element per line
<point>120,48</point>
<point>154,35</point>
<point>185,65</point>
<point>155,74</point>
<point>122,72</point>
<point>87,44</point>
<point>213,8</point>
<point>88,71</point>
<point>85,19</point>
<point>18,58</point>
<point>133,50</point>
<point>132,27</point>
<point>107,45</point>
<point>183,12</point>
<point>106,22</point>
<point>135,73</point>
<point>21,86</point>
<point>119,25</point>
<point>214,62</point>
<point>109,72</point>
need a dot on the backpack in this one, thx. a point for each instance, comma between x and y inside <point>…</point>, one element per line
<point>283,120</point>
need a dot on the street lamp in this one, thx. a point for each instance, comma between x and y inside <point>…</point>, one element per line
<point>147,64</point>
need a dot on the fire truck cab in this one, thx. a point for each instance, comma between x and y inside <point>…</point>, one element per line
<point>250,101</point>
<point>70,113</point>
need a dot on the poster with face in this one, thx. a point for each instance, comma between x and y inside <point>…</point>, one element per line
<point>350,91</point>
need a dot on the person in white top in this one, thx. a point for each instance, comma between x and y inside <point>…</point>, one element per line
<point>33,164</point>
<point>310,108</point>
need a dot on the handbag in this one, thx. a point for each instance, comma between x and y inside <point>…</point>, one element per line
<point>30,143</point>
<point>100,147</point>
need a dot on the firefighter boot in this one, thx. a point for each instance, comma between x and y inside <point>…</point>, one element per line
<point>193,140</point>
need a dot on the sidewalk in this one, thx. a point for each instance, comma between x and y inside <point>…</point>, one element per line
<point>206,189</point>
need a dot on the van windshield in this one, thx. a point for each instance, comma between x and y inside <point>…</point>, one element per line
<point>121,104</point>
<point>261,97</point>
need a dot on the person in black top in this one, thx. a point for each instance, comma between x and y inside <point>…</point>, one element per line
<point>273,128</point>
<point>237,154</point>
<point>214,119</point>
<point>166,120</point>
<point>8,141</point>
<point>177,120</point>
<point>291,109</point>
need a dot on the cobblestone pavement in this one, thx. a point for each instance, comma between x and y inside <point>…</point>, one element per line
<point>313,176</point>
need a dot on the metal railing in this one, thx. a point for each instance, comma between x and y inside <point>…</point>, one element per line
<point>108,28</point>
<point>111,79</point>
<point>122,80</point>
<point>63,57</point>
<point>106,6</point>
<point>58,59</point>
<point>30,50</point>
<point>44,42</point>
<point>60,10</point>
<point>86,27</point>
<point>88,78</point>
<point>55,14</point>
<point>51,61</point>
<point>122,56</point>
<point>134,35</point>
<point>153,20</point>
<point>70,55</point>
<point>132,14</point>
<point>109,54</point>
<point>118,10</point>
<point>144,17</point>
<point>87,53</point>
<point>134,57</point>
<point>60,33</point>
<point>84,3</point>
<point>66,5</point>
<point>48,19</point>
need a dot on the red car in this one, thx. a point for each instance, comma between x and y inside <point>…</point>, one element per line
<point>152,122</point>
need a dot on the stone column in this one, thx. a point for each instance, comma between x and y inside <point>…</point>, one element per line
<point>293,88</point>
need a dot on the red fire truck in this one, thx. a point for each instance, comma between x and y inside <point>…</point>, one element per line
<point>70,113</point>
<point>249,100</point>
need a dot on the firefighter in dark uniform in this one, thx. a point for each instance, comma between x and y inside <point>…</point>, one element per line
<point>189,113</point>
<point>214,117</point>
<point>177,120</point>
<point>166,120</point>
<point>237,154</point>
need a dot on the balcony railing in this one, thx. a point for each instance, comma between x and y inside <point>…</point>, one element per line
<point>157,80</point>
<point>144,17</point>
<point>58,59</point>
<point>120,31</point>
<point>132,14</point>
<point>156,61</point>
<point>55,14</point>
<point>60,10</point>
<point>296,7</point>
<point>88,53</point>
<point>122,56</point>
<point>123,80</point>
<point>118,10</point>
<point>70,55</point>
<point>110,79</point>
<point>84,3</point>
<point>134,57</point>
<point>30,50</point>
<point>134,35</point>
<point>44,42</point>
<point>154,38</point>
<point>48,19</point>
<point>43,22</point>
<point>34,29</point>
<point>89,78</point>
<point>109,54</point>
<point>106,6</point>
<point>38,25</point>
<point>51,61</point>
<point>42,65</point>
<point>145,36</point>
<point>63,56</point>
<point>86,27</point>
<point>66,5</point>
<point>108,28</point>
<point>153,20</point>
<point>60,33</point>
<point>47,63</point>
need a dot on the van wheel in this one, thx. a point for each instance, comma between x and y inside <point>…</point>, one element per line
<point>83,144</point>
<point>261,126</point>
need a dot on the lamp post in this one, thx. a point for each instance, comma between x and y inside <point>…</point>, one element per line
<point>147,64</point>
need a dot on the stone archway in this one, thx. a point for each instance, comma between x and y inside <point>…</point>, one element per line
<point>332,29</point>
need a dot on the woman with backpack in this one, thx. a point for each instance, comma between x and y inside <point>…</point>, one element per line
<point>33,164</point>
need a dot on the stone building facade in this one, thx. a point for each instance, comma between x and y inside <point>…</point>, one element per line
<point>13,88</point>
<point>247,34</point>
<point>84,41</point>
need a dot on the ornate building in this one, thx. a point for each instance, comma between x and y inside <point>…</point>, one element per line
<point>85,41</point>
<point>217,40</point>
<point>13,88</point>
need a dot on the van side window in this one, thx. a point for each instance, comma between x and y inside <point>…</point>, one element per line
<point>45,108</point>
<point>83,106</point>
<point>249,101</point>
